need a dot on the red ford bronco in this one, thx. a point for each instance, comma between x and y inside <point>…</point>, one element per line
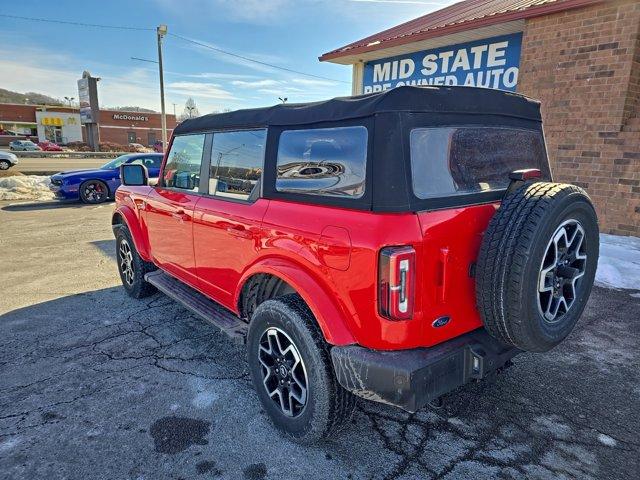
<point>391,246</point>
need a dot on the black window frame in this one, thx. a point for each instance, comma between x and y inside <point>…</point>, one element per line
<point>271,165</point>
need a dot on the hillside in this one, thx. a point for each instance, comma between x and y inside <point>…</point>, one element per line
<point>33,98</point>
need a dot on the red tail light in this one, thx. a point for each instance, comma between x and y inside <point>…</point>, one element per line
<point>396,282</point>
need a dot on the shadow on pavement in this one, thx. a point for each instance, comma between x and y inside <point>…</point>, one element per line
<point>32,206</point>
<point>107,247</point>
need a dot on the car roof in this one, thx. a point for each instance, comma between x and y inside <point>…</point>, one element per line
<point>422,99</point>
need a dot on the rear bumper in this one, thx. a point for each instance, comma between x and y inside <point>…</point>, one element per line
<point>410,379</point>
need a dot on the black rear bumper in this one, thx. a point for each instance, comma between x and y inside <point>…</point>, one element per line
<point>409,379</point>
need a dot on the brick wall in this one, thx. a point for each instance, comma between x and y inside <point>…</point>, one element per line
<point>121,135</point>
<point>584,65</point>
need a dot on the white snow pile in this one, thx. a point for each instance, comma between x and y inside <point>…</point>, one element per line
<point>25,187</point>
<point>619,263</point>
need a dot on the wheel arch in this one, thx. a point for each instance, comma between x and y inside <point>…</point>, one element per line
<point>325,309</point>
<point>125,216</point>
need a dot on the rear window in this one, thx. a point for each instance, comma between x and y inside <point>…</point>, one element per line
<point>461,160</point>
<point>323,161</point>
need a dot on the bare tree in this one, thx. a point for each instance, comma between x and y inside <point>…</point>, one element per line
<point>190,109</point>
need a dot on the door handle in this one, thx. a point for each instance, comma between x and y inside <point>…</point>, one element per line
<point>180,215</point>
<point>239,231</point>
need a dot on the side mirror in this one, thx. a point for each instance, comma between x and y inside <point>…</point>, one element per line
<point>134,175</point>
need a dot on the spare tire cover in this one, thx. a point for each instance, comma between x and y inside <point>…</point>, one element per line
<point>536,265</point>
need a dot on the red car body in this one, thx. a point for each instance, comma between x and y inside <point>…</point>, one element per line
<point>330,260</point>
<point>50,147</point>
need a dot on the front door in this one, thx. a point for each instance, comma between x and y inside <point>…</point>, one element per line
<point>131,137</point>
<point>170,207</point>
<point>227,221</point>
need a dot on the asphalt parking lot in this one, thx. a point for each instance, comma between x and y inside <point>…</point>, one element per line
<point>94,384</point>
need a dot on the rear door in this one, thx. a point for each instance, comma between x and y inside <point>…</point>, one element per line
<point>170,206</point>
<point>228,218</point>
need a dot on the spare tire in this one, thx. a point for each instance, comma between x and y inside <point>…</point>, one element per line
<point>537,264</point>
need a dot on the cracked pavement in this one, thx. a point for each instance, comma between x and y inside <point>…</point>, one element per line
<point>94,384</point>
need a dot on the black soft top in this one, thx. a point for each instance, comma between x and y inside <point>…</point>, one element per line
<point>425,99</point>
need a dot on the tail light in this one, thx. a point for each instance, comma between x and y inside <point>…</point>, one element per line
<point>396,282</point>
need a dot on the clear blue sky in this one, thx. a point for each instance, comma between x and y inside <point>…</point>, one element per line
<point>49,58</point>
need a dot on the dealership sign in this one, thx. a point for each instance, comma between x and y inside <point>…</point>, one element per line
<point>490,63</point>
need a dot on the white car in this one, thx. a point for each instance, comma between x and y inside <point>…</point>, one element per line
<point>7,160</point>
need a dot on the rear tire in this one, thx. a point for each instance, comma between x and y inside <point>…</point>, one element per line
<point>131,267</point>
<point>537,264</point>
<point>324,407</point>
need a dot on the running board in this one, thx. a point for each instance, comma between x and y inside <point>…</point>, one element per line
<point>199,304</point>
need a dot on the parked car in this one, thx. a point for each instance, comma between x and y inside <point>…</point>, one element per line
<point>7,160</point>
<point>49,146</point>
<point>23,145</point>
<point>392,246</point>
<point>99,184</point>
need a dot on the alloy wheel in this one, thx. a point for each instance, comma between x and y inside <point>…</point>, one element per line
<point>562,267</point>
<point>126,261</point>
<point>284,375</point>
<point>94,192</point>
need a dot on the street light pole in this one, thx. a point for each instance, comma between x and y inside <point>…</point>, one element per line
<point>162,31</point>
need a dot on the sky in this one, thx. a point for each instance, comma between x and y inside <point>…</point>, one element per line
<point>49,58</point>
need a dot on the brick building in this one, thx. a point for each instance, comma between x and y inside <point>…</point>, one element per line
<point>62,125</point>
<point>581,58</point>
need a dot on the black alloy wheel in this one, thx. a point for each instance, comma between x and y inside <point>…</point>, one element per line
<point>94,191</point>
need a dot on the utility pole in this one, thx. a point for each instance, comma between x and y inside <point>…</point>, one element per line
<point>162,31</point>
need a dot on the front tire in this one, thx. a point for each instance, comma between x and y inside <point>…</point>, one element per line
<point>291,370</point>
<point>4,165</point>
<point>94,192</point>
<point>131,267</point>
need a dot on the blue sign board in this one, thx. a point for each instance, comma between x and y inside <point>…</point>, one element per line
<point>491,63</point>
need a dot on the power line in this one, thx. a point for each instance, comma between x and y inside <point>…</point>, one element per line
<point>78,24</point>
<point>180,37</point>
<point>270,65</point>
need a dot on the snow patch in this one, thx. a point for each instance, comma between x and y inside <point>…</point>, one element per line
<point>607,440</point>
<point>619,263</point>
<point>25,187</point>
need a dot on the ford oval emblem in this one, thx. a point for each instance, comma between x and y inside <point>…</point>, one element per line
<point>441,321</point>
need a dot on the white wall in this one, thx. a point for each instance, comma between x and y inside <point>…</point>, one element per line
<point>71,128</point>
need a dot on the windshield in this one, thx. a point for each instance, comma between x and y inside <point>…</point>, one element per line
<point>115,163</point>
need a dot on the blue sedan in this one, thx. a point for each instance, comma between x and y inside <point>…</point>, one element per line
<point>98,185</point>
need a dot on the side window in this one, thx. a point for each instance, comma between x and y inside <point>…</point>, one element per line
<point>323,161</point>
<point>149,162</point>
<point>236,163</point>
<point>183,163</point>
